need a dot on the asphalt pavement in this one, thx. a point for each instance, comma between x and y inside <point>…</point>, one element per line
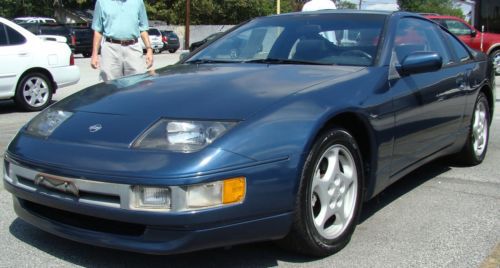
<point>441,215</point>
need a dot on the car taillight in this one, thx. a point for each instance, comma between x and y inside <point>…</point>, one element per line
<point>71,59</point>
<point>73,40</point>
<point>165,39</point>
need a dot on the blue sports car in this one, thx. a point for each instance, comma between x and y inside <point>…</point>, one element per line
<point>278,130</point>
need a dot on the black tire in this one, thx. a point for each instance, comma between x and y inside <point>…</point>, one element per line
<point>475,147</point>
<point>172,50</point>
<point>305,236</point>
<point>156,51</point>
<point>34,92</point>
<point>87,54</point>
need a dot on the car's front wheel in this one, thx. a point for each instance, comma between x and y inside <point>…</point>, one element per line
<point>172,50</point>
<point>329,197</point>
<point>34,92</point>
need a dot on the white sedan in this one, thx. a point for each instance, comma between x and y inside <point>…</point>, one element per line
<point>33,68</point>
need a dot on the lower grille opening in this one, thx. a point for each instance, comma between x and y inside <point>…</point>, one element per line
<point>83,221</point>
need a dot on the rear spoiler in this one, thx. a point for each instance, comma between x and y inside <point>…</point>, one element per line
<point>56,38</point>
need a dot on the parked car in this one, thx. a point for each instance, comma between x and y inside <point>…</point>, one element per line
<point>209,38</point>
<point>170,41</point>
<point>32,69</point>
<point>34,20</point>
<point>51,29</point>
<point>280,137</point>
<point>486,42</point>
<point>82,38</point>
<point>155,38</point>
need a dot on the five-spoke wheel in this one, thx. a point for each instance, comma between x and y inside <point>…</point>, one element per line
<point>330,195</point>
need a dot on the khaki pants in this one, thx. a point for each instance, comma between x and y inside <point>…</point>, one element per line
<point>118,60</point>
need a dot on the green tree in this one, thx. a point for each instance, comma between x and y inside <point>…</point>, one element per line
<point>346,5</point>
<point>443,7</point>
<point>170,11</point>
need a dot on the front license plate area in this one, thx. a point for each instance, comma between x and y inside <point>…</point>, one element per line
<point>56,183</point>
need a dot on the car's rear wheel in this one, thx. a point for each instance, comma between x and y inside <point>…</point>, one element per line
<point>329,197</point>
<point>156,51</point>
<point>87,54</point>
<point>172,50</point>
<point>34,92</point>
<point>476,145</point>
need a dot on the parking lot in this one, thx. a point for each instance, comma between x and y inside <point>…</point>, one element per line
<point>438,216</point>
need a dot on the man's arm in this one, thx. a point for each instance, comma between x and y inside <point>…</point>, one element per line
<point>96,44</point>
<point>149,50</point>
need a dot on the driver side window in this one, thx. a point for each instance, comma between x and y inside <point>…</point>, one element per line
<point>416,35</point>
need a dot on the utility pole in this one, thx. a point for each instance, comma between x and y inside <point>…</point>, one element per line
<point>360,2</point>
<point>278,6</point>
<point>186,30</point>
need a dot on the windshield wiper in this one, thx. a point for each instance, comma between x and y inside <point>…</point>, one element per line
<point>204,61</point>
<point>285,61</point>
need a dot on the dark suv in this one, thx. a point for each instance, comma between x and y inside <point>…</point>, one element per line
<point>170,41</point>
<point>488,43</point>
<point>51,29</point>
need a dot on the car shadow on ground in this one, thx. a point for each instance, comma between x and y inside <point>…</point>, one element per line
<point>403,186</point>
<point>8,107</point>
<point>262,254</point>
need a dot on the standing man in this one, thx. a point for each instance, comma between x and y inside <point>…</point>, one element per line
<point>120,23</point>
<point>314,5</point>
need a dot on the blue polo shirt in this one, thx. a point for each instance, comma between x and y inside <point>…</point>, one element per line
<point>120,19</point>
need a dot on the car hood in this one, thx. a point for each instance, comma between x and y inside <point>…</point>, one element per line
<point>208,91</point>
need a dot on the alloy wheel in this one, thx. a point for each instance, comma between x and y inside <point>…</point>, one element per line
<point>334,191</point>
<point>35,91</point>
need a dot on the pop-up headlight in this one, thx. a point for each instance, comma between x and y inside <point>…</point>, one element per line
<point>182,136</point>
<point>47,121</point>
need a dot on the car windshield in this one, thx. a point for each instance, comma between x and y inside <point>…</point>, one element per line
<point>330,39</point>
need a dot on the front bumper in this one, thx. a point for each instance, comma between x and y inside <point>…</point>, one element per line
<point>147,239</point>
<point>101,221</point>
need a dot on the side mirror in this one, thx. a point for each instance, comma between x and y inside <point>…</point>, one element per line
<point>420,62</point>
<point>473,33</point>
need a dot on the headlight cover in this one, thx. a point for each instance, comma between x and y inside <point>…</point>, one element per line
<point>182,136</point>
<point>47,121</point>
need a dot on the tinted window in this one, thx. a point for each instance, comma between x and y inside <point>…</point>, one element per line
<point>414,35</point>
<point>30,27</point>
<point>3,35</point>
<point>15,38</point>
<point>459,49</point>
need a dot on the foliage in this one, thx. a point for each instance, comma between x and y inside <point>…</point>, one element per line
<point>346,5</point>
<point>170,11</point>
<point>443,7</point>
